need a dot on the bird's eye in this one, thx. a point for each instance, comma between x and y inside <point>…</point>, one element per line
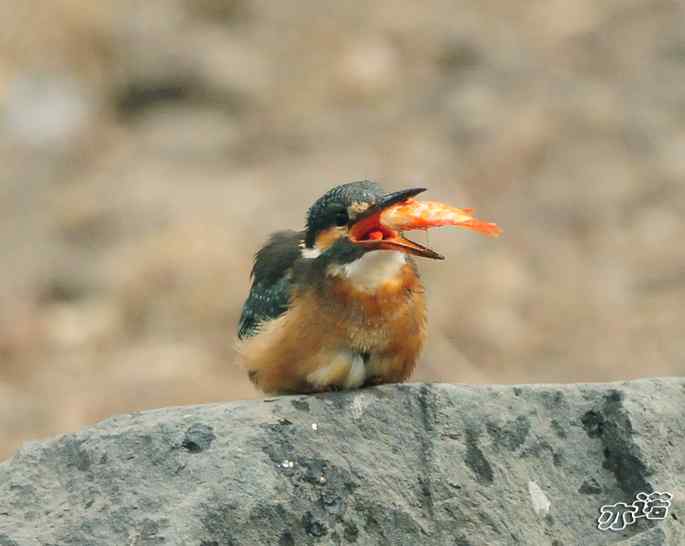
<point>341,218</point>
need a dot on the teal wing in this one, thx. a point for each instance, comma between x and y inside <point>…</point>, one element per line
<point>271,282</point>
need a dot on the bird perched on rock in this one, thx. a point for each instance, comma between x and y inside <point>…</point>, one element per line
<point>340,305</point>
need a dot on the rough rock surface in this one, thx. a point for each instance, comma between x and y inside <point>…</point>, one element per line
<point>401,464</point>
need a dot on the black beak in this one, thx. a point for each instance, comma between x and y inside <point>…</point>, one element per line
<point>388,200</point>
<point>392,240</point>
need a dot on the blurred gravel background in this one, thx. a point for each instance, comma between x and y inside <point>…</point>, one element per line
<point>148,148</point>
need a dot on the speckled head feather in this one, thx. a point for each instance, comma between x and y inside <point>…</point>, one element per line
<point>332,207</point>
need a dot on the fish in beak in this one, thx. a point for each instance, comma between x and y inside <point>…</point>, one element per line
<point>380,227</point>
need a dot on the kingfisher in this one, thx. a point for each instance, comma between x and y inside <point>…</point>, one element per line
<point>340,304</point>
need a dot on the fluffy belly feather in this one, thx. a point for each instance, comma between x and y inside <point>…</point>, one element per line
<point>341,335</point>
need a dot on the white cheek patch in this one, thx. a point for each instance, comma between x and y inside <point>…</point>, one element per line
<point>310,253</point>
<point>372,270</point>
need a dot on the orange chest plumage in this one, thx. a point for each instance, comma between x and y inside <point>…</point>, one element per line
<point>375,319</point>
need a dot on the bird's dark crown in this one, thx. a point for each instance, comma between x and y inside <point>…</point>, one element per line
<point>332,208</point>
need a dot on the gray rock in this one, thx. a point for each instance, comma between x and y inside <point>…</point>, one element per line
<point>399,464</point>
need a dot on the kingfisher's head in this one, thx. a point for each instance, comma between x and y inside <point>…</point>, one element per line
<point>345,223</point>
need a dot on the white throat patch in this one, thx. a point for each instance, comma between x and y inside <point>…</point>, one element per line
<point>372,269</point>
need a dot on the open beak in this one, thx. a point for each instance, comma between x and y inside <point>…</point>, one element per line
<point>370,232</point>
<point>381,226</point>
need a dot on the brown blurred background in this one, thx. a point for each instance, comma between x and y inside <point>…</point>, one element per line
<point>148,148</point>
